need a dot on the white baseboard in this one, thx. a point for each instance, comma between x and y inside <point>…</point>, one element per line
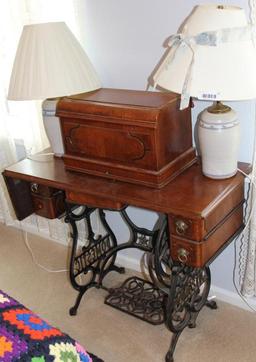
<point>128,262</point>
<point>233,298</point>
<point>32,229</point>
<point>221,294</point>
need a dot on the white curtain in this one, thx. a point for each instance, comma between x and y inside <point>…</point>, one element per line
<point>20,122</point>
<point>247,253</point>
<point>247,249</point>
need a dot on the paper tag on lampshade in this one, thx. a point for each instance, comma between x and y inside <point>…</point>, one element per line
<point>208,95</point>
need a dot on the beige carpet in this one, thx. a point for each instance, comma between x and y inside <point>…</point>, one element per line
<point>228,334</point>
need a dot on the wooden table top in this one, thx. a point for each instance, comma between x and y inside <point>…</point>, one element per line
<point>190,193</point>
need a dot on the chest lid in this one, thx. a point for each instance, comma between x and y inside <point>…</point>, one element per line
<point>120,103</point>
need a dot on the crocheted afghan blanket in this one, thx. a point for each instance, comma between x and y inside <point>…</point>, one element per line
<point>25,337</point>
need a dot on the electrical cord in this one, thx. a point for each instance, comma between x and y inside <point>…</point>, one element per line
<point>26,242</point>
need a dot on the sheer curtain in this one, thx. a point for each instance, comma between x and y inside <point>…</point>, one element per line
<point>20,122</point>
<point>247,255</point>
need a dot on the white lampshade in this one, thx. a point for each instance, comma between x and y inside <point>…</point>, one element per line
<point>213,58</point>
<point>227,70</point>
<point>49,63</point>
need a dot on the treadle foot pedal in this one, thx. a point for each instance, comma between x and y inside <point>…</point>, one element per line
<point>139,298</point>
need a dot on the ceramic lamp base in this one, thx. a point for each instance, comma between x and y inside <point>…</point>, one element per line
<point>219,136</point>
<point>52,126</point>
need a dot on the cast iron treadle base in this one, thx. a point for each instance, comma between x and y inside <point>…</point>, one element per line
<point>139,298</point>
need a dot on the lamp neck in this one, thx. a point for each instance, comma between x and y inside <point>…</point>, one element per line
<point>53,99</point>
<point>218,107</point>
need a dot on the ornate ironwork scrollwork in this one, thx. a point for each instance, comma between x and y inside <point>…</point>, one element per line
<point>188,293</point>
<point>159,261</point>
<point>90,263</point>
<point>186,288</point>
<point>177,294</point>
<point>86,262</point>
<point>141,238</point>
<point>139,298</point>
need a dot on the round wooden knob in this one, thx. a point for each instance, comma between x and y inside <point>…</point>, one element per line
<point>39,206</point>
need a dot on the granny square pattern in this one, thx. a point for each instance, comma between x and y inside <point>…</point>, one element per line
<point>25,337</point>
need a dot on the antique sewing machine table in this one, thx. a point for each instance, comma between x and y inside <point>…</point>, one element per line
<point>199,217</point>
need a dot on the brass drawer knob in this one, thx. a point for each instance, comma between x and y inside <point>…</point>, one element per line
<point>181,227</point>
<point>183,255</point>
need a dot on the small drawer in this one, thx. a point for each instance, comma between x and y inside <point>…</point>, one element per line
<point>94,201</point>
<point>42,190</point>
<point>188,228</point>
<point>198,254</point>
<point>185,251</point>
<point>49,207</point>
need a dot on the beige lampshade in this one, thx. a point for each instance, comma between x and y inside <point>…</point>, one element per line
<point>227,71</point>
<point>49,63</point>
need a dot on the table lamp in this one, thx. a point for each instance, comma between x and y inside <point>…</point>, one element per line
<point>50,63</point>
<point>213,58</point>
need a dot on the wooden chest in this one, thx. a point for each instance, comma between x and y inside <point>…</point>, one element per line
<point>133,136</point>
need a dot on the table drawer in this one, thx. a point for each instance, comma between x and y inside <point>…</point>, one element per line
<point>42,190</point>
<point>187,228</point>
<point>49,207</point>
<point>197,254</point>
<point>198,228</point>
<point>94,201</point>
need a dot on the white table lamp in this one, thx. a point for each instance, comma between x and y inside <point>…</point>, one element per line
<point>213,58</point>
<point>50,63</point>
